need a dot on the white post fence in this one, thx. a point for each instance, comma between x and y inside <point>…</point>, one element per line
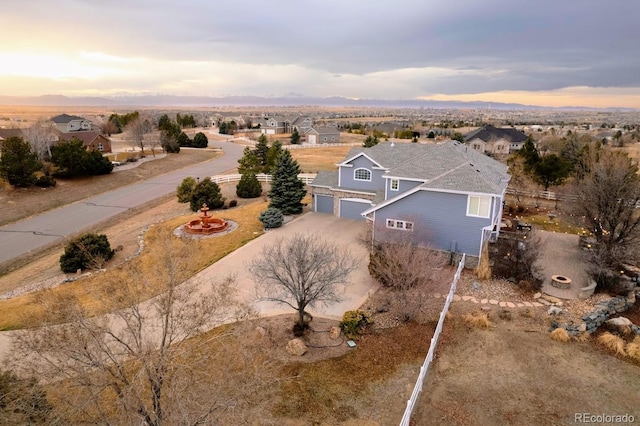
<point>406,418</point>
<point>307,178</point>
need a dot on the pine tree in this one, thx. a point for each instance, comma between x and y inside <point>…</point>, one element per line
<point>249,186</point>
<point>206,192</point>
<point>18,163</point>
<point>249,162</point>
<point>272,156</point>
<point>287,191</point>
<point>370,141</point>
<point>262,149</point>
<point>295,137</point>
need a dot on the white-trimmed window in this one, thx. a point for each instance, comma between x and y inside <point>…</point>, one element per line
<point>100,147</point>
<point>362,174</point>
<point>394,185</point>
<point>478,206</point>
<point>324,138</point>
<point>400,224</point>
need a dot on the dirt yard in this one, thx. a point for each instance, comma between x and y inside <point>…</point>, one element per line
<point>513,373</point>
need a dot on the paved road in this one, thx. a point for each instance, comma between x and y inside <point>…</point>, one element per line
<point>24,236</point>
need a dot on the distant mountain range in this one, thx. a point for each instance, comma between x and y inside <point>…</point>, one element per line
<point>288,100</point>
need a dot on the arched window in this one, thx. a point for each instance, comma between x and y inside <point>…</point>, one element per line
<point>362,174</point>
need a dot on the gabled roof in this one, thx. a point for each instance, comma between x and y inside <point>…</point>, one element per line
<point>489,132</point>
<point>86,137</point>
<point>324,130</point>
<point>448,166</point>
<point>65,118</point>
<point>9,133</point>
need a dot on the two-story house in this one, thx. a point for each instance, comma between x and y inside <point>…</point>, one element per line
<point>446,196</point>
<point>66,123</point>
<point>496,140</point>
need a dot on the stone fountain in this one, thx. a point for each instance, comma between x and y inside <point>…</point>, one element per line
<point>205,224</point>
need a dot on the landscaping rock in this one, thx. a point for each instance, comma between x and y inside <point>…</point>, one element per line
<point>296,347</point>
<point>551,299</point>
<point>537,295</point>
<point>619,322</point>
<point>555,310</point>
<point>334,333</point>
<point>476,286</point>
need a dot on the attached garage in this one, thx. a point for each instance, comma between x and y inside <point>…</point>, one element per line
<point>312,138</point>
<point>323,203</point>
<point>351,208</point>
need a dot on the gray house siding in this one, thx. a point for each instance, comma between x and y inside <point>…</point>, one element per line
<point>439,220</point>
<point>323,204</point>
<point>347,176</point>
<point>404,185</point>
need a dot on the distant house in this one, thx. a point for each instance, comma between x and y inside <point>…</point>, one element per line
<point>320,134</point>
<point>66,123</point>
<point>275,125</point>
<point>494,140</point>
<point>9,133</point>
<point>301,124</point>
<point>445,196</point>
<point>92,140</point>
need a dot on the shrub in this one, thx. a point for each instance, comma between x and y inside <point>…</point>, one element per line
<point>354,323</point>
<point>633,349</point>
<point>45,181</point>
<point>560,334</point>
<point>87,251</point>
<point>271,218</point>
<point>612,343</point>
<point>233,203</point>
<point>249,186</point>
<point>477,320</point>
<point>206,192</point>
<point>185,189</point>
<point>200,140</point>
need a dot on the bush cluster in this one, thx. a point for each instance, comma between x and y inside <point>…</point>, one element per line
<point>271,218</point>
<point>87,251</point>
<point>354,323</point>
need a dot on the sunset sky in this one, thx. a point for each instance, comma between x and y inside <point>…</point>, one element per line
<point>545,52</point>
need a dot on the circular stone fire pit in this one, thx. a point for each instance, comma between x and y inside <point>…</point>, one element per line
<point>205,225</point>
<point>559,281</point>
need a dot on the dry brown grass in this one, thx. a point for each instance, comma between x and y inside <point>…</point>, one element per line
<point>560,335</point>
<point>612,343</point>
<point>582,337</point>
<point>476,320</point>
<point>312,160</point>
<point>22,310</point>
<point>633,349</point>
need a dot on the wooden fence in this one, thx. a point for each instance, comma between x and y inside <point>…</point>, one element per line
<point>406,418</point>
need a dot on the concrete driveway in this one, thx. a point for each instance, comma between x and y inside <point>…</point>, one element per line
<point>344,232</point>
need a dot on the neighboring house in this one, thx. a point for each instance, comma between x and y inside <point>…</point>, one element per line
<point>496,140</point>
<point>446,195</point>
<point>319,134</point>
<point>66,123</point>
<point>275,126</point>
<point>302,124</point>
<point>92,140</point>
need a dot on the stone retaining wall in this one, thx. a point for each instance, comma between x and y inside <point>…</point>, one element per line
<point>602,312</point>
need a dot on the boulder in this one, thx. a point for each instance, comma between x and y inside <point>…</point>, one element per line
<point>334,333</point>
<point>555,310</point>
<point>537,295</point>
<point>552,299</point>
<point>619,322</point>
<point>296,347</point>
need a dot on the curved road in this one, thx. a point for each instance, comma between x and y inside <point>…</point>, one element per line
<point>22,237</point>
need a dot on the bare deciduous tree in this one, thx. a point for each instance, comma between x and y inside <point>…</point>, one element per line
<point>139,364</point>
<point>404,266</point>
<point>608,191</point>
<point>136,131</point>
<point>41,137</point>
<point>302,271</point>
<point>152,140</point>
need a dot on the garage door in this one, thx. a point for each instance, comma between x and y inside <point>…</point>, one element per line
<point>324,204</point>
<point>312,138</point>
<point>352,207</point>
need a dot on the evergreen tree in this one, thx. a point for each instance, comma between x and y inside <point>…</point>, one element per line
<point>530,154</point>
<point>272,156</point>
<point>249,186</point>
<point>262,149</point>
<point>295,137</point>
<point>271,218</point>
<point>200,140</point>
<point>18,163</point>
<point>185,189</point>
<point>87,251</point>
<point>370,141</point>
<point>249,162</point>
<point>206,192</point>
<point>287,191</point>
